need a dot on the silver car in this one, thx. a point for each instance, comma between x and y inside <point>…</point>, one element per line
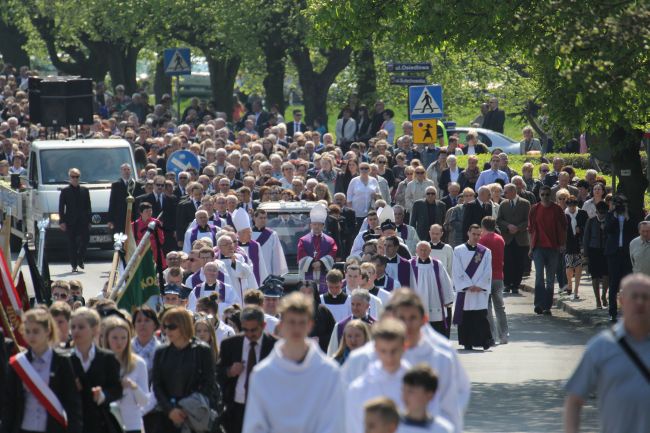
<point>490,138</point>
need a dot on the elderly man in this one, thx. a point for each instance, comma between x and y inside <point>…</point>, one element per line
<point>360,306</point>
<point>405,231</point>
<point>615,367</point>
<point>415,189</point>
<point>492,174</point>
<point>529,143</point>
<point>450,174</point>
<point>512,221</point>
<point>563,183</point>
<point>451,199</point>
<point>201,230</point>
<point>250,247</point>
<point>316,250</point>
<point>640,249</point>
<point>240,273</point>
<point>474,211</point>
<point>427,212</point>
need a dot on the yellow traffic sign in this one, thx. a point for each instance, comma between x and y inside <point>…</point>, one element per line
<point>424,131</point>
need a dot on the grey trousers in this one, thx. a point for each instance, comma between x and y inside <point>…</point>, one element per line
<point>500,328</point>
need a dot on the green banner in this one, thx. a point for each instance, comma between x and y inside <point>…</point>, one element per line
<point>142,283</point>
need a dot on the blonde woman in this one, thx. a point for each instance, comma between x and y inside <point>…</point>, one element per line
<point>133,373</point>
<point>355,334</point>
<point>204,330</point>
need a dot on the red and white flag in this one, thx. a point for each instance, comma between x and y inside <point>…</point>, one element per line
<point>39,388</point>
<point>11,302</point>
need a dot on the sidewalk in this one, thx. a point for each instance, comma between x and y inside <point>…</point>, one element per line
<point>583,309</point>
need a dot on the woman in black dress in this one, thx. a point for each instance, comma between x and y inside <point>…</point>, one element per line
<point>181,367</point>
<point>593,244</point>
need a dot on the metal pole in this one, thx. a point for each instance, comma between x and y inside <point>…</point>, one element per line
<point>121,283</point>
<point>178,97</point>
<point>18,263</point>
<point>117,246</point>
<point>42,225</point>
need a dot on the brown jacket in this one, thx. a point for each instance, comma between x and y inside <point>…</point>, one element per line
<point>517,216</point>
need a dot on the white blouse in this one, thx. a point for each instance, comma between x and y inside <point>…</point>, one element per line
<point>360,195</point>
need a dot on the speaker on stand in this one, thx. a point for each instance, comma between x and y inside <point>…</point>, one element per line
<point>61,101</point>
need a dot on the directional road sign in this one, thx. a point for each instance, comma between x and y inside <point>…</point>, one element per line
<point>181,160</point>
<point>177,61</point>
<point>409,67</point>
<point>407,80</point>
<point>424,131</point>
<point>425,102</point>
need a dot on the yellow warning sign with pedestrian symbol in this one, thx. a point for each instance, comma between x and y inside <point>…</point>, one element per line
<point>424,131</point>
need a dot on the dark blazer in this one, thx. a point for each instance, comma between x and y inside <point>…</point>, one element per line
<point>231,352</point>
<point>420,217</point>
<point>178,193</point>
<point>74,209</point>
<point>473,213</point>
<point>62,384</point>
<point>574,242</point>
<point>479,148</point>
<point>236,184</point>
<point>445,178</point>
<point>170,204</point>
<point>184,216</point>
<point>612,231</point>
<point>104,371</point>
<point>517,216</point>
<point>290,128</point>
<point>447,201</point>
<point>495,120</point>
<point>117,203</point>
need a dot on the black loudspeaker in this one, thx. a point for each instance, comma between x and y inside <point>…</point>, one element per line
<point>79,101</point>
<point>34,97</point>
<point>53,98</point>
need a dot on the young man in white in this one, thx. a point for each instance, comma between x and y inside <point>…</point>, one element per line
<point>383,377</point>
<point>354,280</point>
<point>419,386</point>
<point>296,375</point>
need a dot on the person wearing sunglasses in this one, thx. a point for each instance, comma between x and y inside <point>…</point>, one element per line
<point>547,225</point>
<point>60,291</point>
<point>74,213</point>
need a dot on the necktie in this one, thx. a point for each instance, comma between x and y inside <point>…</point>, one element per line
<point>160,201</point>
<point>512,204</point>
<point>296,128</point>
<point>250,363</point>
<point>197,204</point>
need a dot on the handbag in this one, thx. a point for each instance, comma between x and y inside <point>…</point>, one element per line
<point>634,357</point>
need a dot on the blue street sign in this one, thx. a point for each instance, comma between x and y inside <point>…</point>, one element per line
<point>181,160</point>
<point>177,61</point>
<point>425,102</point>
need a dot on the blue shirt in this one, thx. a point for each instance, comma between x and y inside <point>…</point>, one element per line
<point>490,176</point>
<point>35,415</point>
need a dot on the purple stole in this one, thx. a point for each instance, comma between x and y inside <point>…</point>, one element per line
<point>403,231</point>
<point>196,278</point>
<point>195,234</point>
<point>254,256</point>
<point>228,218</point>
<point>436,270</point>
<point>340,327</point>
<point>470,271</point>
<point>220,283</point>
<point>390,283</point>
<point>308,245</point>
<point>216,221</point>
<point>403,272</point>
<point>264,236</point>
<point>322,283</point>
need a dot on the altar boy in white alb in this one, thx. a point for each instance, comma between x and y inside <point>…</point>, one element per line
<point>296,389</point>
<point>472,275</point>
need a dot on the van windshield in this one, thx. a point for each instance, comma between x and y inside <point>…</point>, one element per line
<point>97,165</point>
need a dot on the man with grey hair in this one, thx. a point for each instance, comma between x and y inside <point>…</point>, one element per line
<point>426,212</point>
<point>405,231</point>
<point>529,143</point>
<point>360,306</point>
<point>640,249</point>
<point>512,220</point>
<point>615,367</point>
<point>474,212</point>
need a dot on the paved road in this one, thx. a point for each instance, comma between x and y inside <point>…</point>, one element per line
<point>515,388</point>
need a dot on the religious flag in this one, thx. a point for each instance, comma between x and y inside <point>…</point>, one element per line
<point>141,283</point>
<point>41,285</point>
<point>11,304</point>
<point>21,288</point>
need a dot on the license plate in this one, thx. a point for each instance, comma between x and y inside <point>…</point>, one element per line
<point>100,239</point>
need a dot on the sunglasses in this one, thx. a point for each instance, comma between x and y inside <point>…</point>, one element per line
<point>545,195</point>
<point>431,193</point>
<point>59,296</point>
<point>170,326</point>
<point>74,176</point>
<point>160,184</point>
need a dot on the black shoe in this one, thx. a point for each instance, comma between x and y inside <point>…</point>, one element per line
<point>81,265</point>
<point>515,290</point>
<point>506,290</point>
<point>613,319</point>
<point>468,347</point>
<point>74,270</point>
<point>547,313</point>
<point>538,310</point>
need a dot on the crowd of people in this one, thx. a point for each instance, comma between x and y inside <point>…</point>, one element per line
<point>403,243</point>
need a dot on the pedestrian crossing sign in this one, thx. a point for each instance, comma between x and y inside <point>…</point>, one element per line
<point>177,61</point>
<point>425,102</point>
<point>424,131</point>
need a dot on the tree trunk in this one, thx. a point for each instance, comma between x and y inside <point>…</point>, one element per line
<point>624,142</point>
<point>223,73</point>
<point>122,66</point>
<point>162,83</point>
<point>274,56</point>
<point>11,45</point>
<point>316,86</point>
<point>366,74</point>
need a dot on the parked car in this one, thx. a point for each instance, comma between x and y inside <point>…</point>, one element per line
<point>490,138</point>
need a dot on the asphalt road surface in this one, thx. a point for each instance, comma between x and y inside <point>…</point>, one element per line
<point>515,387</point>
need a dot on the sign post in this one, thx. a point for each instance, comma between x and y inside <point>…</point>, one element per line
<point>177,62</point>
<point>181,160</point>
<point>425,107</point>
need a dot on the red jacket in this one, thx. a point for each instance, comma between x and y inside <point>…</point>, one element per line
<point>554,227</point>
<point>495,243</point>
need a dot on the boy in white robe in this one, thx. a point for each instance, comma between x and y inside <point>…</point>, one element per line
<point>272,251</point>
<point>432,283</point>
<point>419,386</point>
<point>296,389</point>
<point>336,300</point>
<point>472,276</point>
<point>383,377</point>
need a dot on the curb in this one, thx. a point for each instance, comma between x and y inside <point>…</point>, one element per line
<point>591,318</point>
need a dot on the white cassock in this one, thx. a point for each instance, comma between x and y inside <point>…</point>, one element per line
<point>395,271</point>
<point>276,262</point>
<point>198,277</point>
<point>437,425</point>
<point>383,295</point>
<point>409,236</point>
<point>375,382</point>
<point>258,264</point>
<point>357,245</point>
<point>192,234</point>
<point>241,276</point>
<point>270,323</point>
<point>445,253</point>
<point>425,283</point>
<point>482,277</point>
<point>338,305</point>
<point>202,291</point>
<point>314,385</point>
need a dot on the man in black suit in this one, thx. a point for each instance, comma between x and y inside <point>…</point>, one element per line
<point>166,204</point>
<point>477,209</point>
<point>260,117</point>
<point>494,118</point>
<point>296,125</point>
<point>180,190</point>
<point>120,190</point>
<point>451,199</point>
<point>7,151</point>
<point>426,212</point>
<point>237,357</point>
<point>450,174</point>
<point>348,223</point>
<point>186,209</point>
<point>74,214</point>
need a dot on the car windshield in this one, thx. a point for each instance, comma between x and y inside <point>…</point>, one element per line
<point>97,165</point>
<point>290,227</point>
